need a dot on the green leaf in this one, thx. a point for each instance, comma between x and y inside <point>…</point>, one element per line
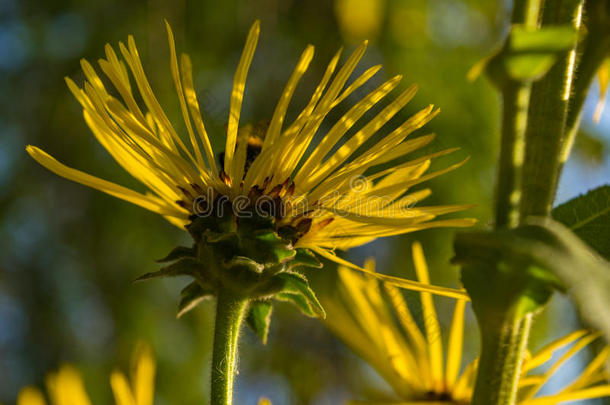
<point>305,258</point>
<point>187,266</point>
<point>588,216</point>
<point>244,263</point>
<point>259,319</point>
<point>299,301</point>
<point>266,247</point>
<point>177,253</point>
<point>547,244</point>
<point>296,289</point>
<point>278,250</point>
<point>191,296</point>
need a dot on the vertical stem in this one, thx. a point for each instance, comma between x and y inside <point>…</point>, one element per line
<point>593,49</point>
<point>514,121</point>
<point>516,100</point>
<point>503,347</point>
<point>547,119</point>
<point>504,341</point>
<point>230,312</point>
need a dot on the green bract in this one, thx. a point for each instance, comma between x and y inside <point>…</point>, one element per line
<point>242,254</point>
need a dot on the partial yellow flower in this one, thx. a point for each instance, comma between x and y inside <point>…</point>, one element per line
<point>66,387</point>
<point>334,195</point>
<point>374,320</point>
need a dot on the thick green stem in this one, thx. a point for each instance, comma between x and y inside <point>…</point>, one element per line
<point>514,119</point>
<point>547,119</point>
<point>503,348</point>
<point>593,49</point>
<point>504,341</point>
<point>230,313</point>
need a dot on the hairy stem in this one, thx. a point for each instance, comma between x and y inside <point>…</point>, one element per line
<point>503,348</point>
<point>230,313</point>
<point>593,49</point>
<point>514,119</point>
<point>547,118</point>
<point>504,340</point>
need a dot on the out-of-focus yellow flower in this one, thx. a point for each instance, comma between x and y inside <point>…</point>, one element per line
<point>327,200</point>
<point>360,19</point>
<point>65,387</point>
<point>374,320</point>
<point>264,401</point>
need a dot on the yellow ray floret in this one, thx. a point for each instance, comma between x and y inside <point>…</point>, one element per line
<point>66,387</point>
<point>374,320</point>
<point>316,175</point>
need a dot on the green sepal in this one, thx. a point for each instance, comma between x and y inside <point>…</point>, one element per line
<point>239,263</point>
<point>186,266</point>
<point>305,258</point>
<point>267,247</point>
<point>259,318</point>
<point>191,296</point>
<point>296,289</point>
<point>177,253</point>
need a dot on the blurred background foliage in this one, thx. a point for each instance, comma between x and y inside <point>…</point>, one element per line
<point>69,254</point>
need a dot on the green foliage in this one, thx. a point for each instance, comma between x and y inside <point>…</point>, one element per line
<point>527,55</point>
<point>177,253</point>
<point>185,266</point>
<point>191,296</point>
<point>553,257</point>
<point>259,318</point>
<point>246,257</point>
<point>305,258</point>
<point>501,283</point>
<point>296,289</point>
<point>588,216</point>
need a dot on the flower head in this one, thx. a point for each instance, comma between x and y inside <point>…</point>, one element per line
<point>375,321</point>
<point>66,387</point>
<point>325,197</point>
<point>276,196</point>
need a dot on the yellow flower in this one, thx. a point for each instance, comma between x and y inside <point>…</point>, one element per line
<point>65,387</point>
<point>329,197</point>
<point>376,323</point>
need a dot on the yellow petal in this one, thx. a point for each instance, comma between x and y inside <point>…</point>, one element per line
<point>185,114</point>
<point>545,354</point>
<point>395,281</point>
<point>589,393</point>
<point>120,389</point>
<point>191,99</point>
<point>454,349</point>
<point>107,187</point>
<point>279,114</point>
<point>237,95</point>
<point>433,329</point>
<point>30,396</point>
<point>144,376</point>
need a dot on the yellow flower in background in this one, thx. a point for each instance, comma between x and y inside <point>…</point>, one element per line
<point>359,19</point>
<point>335,195</point>
<point>374,320</point>
<point>65,387</point>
